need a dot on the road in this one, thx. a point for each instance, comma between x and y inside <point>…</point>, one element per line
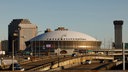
<point>84,67</point>
<point>44,62</point>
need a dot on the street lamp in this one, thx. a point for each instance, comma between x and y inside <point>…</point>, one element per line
<point>123,51</point>
<point>59,44</point>
<point>35,42</point>
<point>13,44</point>
<point>59,48</point>
<point>13,55</point>
<point>1,61</point>
<point>58,56</point>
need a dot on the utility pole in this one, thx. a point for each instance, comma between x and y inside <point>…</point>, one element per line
<point>13,55</point>
<point>13,47</point>
<point>123,51</point>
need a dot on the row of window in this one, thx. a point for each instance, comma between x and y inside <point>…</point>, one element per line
<point>65,39</point>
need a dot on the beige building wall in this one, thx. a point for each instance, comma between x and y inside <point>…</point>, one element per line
<point>24,30</point>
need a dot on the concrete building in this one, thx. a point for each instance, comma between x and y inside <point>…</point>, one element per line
<point>118,34</point>
<point>4,45</point>
<point>61,38</point>
<point>20,31</point>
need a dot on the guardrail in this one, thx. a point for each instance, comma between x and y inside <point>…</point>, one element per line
<point>45,67</point>
<point>119,62</point>
<point>110,65</point>
<point>47,64</point>
<point>62,61</point>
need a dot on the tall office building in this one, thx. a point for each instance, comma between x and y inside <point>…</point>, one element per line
<point>20,31</point>
<point>118,33</point>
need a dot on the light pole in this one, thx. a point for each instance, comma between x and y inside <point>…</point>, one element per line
<point>59,47</point>
<point>1,61</point>
<point>35,40</point>
<point>59,44</point>
<point>31,43</point>
<point>13,47</point>
<point>58,55</point>
<point>13,55</point>
<point>123,51</point>
<point>39,48</point>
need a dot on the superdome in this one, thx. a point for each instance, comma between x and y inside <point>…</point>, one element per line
<point>64,36</point>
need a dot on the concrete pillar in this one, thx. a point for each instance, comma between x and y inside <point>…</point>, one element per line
<point>118,33</point>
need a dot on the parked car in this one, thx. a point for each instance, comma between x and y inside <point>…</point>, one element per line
<point>74,55</point>
<point>102,61</point>
<point>88,61</point>
<point>16,67</point>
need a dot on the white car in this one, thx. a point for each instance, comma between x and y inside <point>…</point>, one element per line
<point>88,61</point>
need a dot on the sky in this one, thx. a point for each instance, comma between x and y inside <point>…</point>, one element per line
<point>92,17</point>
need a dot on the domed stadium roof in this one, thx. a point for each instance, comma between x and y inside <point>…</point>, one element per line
<point>63,35</point>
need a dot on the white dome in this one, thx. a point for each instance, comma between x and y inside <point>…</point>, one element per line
<point>63,35</point>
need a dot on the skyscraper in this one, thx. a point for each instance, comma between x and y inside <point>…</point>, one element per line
<point>118,33</point>
<point>20,31</point>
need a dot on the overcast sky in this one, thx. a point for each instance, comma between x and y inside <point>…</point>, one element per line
<point>92,17</point>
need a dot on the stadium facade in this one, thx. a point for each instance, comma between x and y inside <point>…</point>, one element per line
<point>61,38</point>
